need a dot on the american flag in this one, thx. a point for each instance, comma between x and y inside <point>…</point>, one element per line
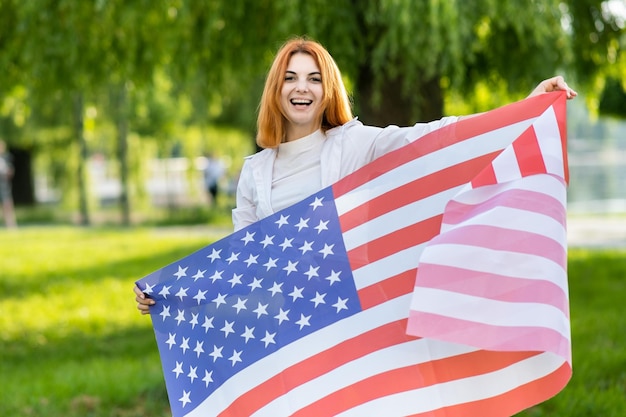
<point>316,310</point>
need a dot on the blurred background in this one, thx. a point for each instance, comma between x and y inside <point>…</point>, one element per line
<point>121,117</point>
<point>112,110</point>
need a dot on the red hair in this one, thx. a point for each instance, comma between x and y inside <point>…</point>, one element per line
<point>335,102</point>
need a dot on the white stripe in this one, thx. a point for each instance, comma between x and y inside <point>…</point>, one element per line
<point>545,184</point>
<point>460,391</point>
<point>517,219</point>
<point>395,264</point>
<point>506,167</point>
<point>488,311</point>
<point>509,264</point>
<point>549,138</point>
<point>398,219</point>
<point>399,356</point>
<point>436,161</point>
<point>300,350</point>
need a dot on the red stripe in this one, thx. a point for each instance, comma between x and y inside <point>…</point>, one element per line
<point>528,154</point>
<point>486,336</point>
<point>411,192</point>
<point>493,286</point>
<point>388,289</point>
<point>310,368</point>
<point>486,177</point>
<point>540,203</point>
<point>411,378</point>
<point>503,240</point>
<point>399,240</point>
<point>511,402</point>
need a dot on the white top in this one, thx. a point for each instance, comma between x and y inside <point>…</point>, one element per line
<point>297,173</point>
<point>344,150</point>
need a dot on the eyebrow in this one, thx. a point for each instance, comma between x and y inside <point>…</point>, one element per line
<point>310,73</point>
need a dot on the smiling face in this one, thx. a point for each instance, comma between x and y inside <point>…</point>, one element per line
<point>301,96</point>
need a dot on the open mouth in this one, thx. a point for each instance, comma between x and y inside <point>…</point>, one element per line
<point>300,102</point>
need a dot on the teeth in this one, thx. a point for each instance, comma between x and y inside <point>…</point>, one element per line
<point>297,101</point>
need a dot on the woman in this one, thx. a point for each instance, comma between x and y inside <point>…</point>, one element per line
<point>310,137</point>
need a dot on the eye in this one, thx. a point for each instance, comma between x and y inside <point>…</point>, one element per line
<point>289,77</point>
<point>316,79</point>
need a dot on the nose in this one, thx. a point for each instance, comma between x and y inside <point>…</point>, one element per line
<point>302,86</point>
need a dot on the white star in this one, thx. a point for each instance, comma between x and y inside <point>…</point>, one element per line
<point>240,305</point>
<point>251,260</point>
<point>304,321</point>
<point>306,246</point>
<point>341,304</point>
<point>200,296</point>
<point>208,323</point>
<point>182,272</point>
<point>165,312</point>
<point>180,317</point>
<point>317,203</point>
<point>148,289</point>
<point>302,224</point>
<point>318,299</point>
<point>312,272</point>
<point>194,320</point>
<point>236,279</point>
<point>184,345</point>
<point>269,338</point>
<point>256,283</point>
<point>228,328</point>
<point>216,276</point>
<point>199,274</point>
<point>198,349</point>
<point>185,398</point>
<point>271,263</point>
<point>296,293</point>
<point>165,291</point>
<point>192,373</point>
<point>282,221</point>
<point>286,244</point>
<point>321,226</point>
<point>236,357</point>
<point>232,258</point>
<point>276,288</point>
<point>248,334</point>
<point>291,267</point>
<point>215,254</point>
<point>178,369</point>
<point>334,277</point>
<point>217,352</point>
<point>260,310</point>
<point>249,238</point>
<point>269,240</point>
<point>328,250</point>
<point>220,299</point>
<point>182,292</point>
<point>282,316</point>
<point>208,378</point>
<point>171,341</point>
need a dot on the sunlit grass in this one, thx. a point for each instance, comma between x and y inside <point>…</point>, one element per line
<point>72,343</point>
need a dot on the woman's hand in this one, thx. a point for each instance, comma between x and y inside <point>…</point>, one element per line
<point>143,302</point>
<point>553,84</point>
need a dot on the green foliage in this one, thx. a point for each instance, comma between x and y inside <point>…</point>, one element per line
<point>73,345</point>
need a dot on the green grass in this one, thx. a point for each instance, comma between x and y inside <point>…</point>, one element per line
<point>72,343</point>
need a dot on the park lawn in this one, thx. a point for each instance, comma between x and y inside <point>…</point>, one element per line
<point>72,343</point>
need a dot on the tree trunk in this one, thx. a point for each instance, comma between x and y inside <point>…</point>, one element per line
<point>23,184</point>
<point>121,123</point>
<point>79,132</point>
<point>394,106</point>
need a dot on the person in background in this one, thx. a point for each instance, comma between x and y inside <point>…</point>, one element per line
<point>213,172</point>
<point>309,136</point>
<point>6,175</point>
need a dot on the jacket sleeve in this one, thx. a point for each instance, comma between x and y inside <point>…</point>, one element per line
<point>244,213</point>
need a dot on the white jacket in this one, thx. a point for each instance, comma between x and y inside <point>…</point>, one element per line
<point>346,149</point>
